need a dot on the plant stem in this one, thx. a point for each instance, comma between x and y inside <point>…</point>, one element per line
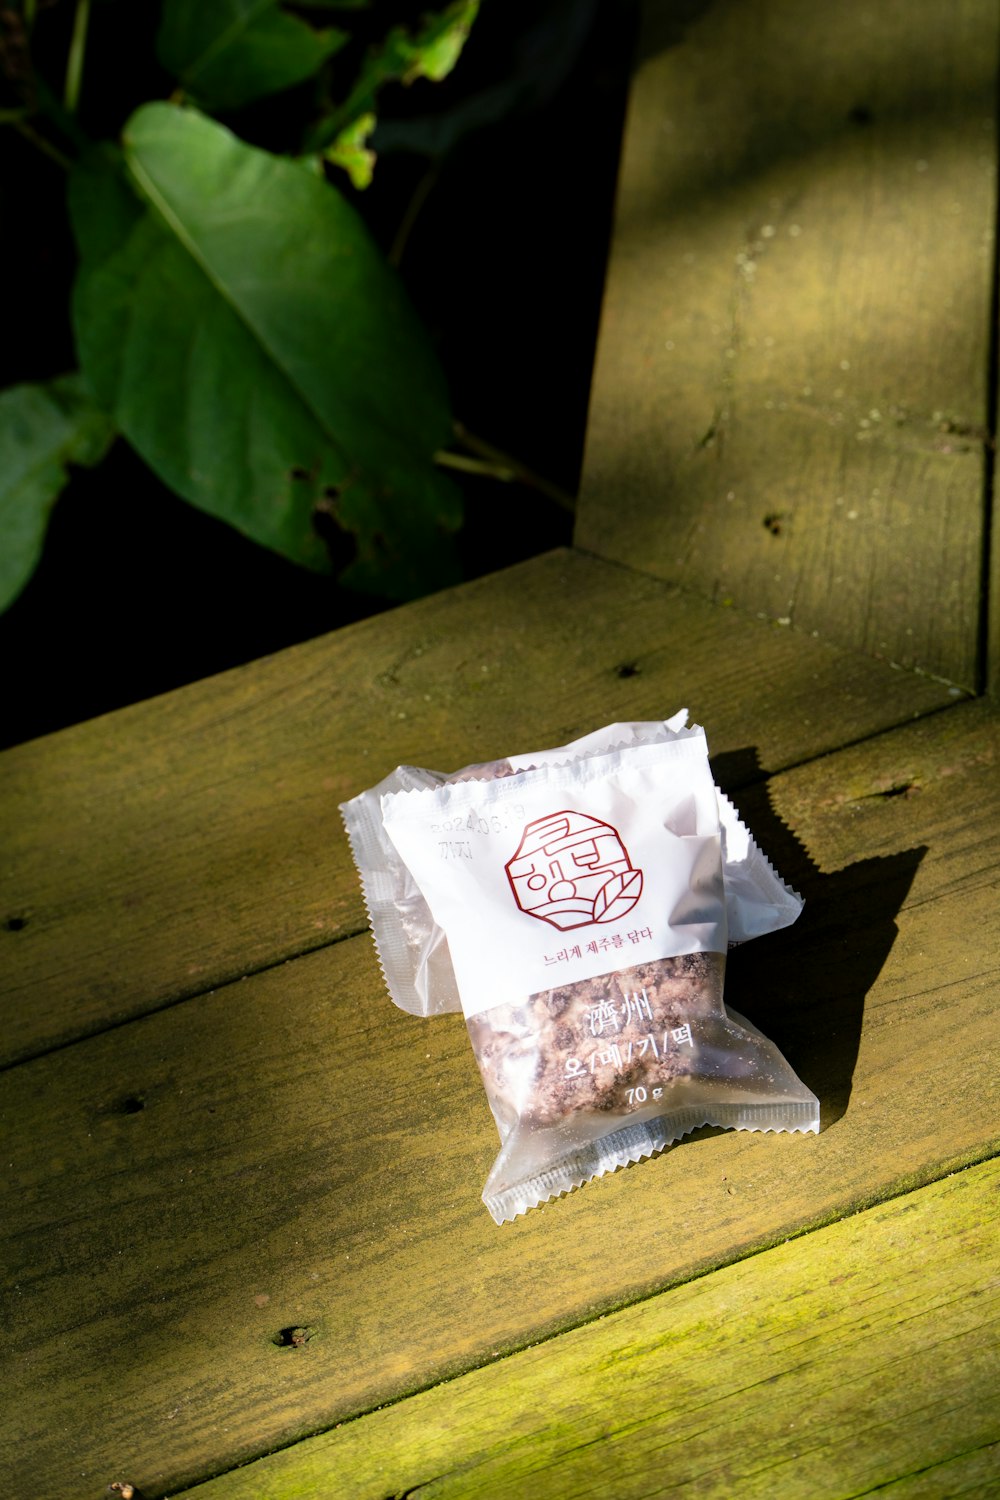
<point>420,195</point>
<point>53,109</point>
<point>46,147</point>
<point>468,465</point>
<point>29,15</point>
<point>503,466</point>
<point>74,63</point>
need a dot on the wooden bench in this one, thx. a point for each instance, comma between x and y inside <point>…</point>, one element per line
<point>243,1249</point>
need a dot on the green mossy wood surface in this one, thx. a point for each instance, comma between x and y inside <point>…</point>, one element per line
<point>242,1190</point>
<point>827,1367</point>
<point>791,393</point>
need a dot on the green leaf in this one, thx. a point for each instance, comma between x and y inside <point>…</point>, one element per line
<point>42,429</point>
<point>227,53</point>
<point>258,352</point>
<point>350,151</point>
<point>91,429</point>
<point>436,49</point>
<point>431,53</point>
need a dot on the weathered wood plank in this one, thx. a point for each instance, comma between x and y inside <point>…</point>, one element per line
<point>290,1152</point>
<point>189,840</point>
<point>973,1474</point>
<point>861,1357</point>
<point>991,568</point>
<point>790,397</point>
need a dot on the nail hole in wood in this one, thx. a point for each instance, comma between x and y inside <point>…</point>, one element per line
<point>292,1338</point>
<point>905,789</point>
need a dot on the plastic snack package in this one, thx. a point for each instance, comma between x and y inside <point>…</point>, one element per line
<point>585,910</point>
<point>412,948</point>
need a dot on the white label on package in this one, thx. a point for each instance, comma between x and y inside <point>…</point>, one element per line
<point>563,873</point>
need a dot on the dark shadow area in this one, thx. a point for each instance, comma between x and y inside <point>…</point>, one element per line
<point>137,592</point>
<point>805,986</point>
<point>787,124</point>
<point>667,25</point>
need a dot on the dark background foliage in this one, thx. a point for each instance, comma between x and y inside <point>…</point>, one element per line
<point>138,592</point>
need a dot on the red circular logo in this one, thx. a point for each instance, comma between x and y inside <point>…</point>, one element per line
<point>572,870</point>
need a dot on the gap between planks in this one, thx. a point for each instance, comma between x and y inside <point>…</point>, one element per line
<point>917,1265</point>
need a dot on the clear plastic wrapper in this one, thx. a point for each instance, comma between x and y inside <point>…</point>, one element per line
<point>588,1077</point>
<point>576,904</point>
<point>412,948</point>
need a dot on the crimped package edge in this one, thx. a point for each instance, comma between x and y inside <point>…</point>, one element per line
<point>757,855</point>
<point>610,1153</point>
<point>390,948</point>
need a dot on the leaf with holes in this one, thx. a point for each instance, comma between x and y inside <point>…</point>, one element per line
<point>254,347</point>
<point>43,428</point>
<point>227,53</point>
<point>351,151</point>
<point>431,52</point>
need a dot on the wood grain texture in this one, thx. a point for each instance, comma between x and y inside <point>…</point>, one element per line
<point>991,564</point>
<point>862,1356</point>
<point>291,1153</point>
<point>790,398</point>
<point>189,840</point>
